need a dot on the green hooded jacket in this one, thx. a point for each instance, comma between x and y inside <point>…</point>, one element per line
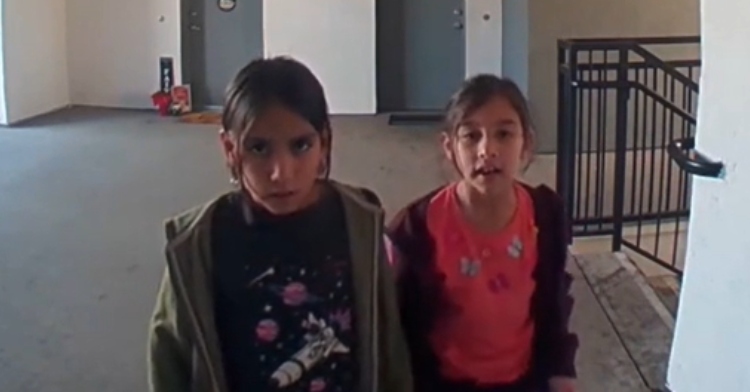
<point>184,353</point>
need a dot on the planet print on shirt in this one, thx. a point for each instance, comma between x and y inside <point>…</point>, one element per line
<point>267,330</point>
<point>318,385</point>
<point>295,294</point>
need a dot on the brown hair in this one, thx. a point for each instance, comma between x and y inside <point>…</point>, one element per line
<point>480,89</point>
<point>276,81</point>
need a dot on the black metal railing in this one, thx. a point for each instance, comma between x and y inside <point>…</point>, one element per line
<point>621,102</point>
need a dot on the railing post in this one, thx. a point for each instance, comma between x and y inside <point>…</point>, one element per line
<point>566,132</point>
<point>621,140</point>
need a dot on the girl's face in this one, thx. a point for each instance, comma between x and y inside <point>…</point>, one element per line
<point>489,147</point>
<point>281,157</point>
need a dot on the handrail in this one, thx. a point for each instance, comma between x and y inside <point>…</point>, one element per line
<point>610,66</point>
<point>700,165</point>
<point>668,69</point>
<point>680,39</point>
<point>661,100</point>
<point>645,90</point>
<point>635,45</point>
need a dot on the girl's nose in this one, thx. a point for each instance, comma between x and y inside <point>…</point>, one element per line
<point>487,149</point>
<point>282,168</point>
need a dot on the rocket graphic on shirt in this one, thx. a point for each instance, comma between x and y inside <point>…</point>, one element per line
<point>321,343</point>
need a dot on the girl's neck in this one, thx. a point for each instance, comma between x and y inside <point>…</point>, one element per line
<point>486,212</point>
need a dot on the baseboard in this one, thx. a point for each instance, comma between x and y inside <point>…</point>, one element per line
<point>23,121</point>
<point>415,118</point>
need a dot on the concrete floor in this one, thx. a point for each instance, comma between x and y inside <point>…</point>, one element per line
<point>82,195</point>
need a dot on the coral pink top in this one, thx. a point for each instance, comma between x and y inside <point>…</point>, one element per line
<point>489,278</point>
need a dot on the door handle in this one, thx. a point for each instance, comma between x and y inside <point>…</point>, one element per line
<point>458,12</point>
<point>458,26</point>
<point>697,165</point>
<point>195,28</point>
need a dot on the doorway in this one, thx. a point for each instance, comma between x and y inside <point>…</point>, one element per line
<point>421,53</point>
<point>216,44</point>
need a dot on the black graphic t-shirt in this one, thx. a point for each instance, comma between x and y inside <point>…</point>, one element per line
<point>284,299</point>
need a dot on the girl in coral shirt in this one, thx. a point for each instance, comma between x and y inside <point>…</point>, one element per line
<point>481,261</point>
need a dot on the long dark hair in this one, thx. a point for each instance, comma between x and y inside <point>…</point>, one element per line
<point>478,91</point>
<point>276,81</point>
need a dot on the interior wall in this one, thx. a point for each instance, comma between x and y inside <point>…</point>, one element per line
<point>117,66</point>
<point>336,39</point>
<point>551,20</point>
<point>34,58</point>
<point>114,48</point>
<point>106,52</point>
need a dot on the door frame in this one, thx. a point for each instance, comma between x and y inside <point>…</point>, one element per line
<point>476,59</point>
<point>386,61</point>
<point>189,47</point>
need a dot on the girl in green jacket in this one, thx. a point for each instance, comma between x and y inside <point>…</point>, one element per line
<point>280,284</point>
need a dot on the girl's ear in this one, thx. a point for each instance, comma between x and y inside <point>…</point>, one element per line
<point>447,142</point>
<point>325,140</point>
<point>325,150</point>
<point>228,143</point>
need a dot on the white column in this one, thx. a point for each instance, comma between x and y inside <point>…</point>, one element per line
<point>3,110</point>
<point>484,37</point>
<point>336,39</point>
<point>712,338</point>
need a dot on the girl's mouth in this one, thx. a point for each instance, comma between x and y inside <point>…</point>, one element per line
<point>281,195</point>
<point>486,171</point>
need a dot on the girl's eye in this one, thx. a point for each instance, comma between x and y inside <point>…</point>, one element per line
<point>301,146</point>
<point>260,148</point>
<point>472,136</point>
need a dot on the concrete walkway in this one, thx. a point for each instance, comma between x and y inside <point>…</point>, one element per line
<point>82,195</point>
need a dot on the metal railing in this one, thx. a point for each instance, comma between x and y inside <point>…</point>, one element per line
<point>621,102</point>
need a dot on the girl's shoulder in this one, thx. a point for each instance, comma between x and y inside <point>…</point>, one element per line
<point>358,193</point>
<point>549,211</point>
<point>542,192</point>
<point>417,208</point>
<point>411,220</point>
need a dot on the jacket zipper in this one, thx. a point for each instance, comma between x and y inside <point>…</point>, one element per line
<point>200,338</point>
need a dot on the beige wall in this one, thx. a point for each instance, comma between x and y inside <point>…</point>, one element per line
<point>35,70</point>
<point>550,20</point>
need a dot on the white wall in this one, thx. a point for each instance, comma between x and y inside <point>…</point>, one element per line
<point>106,52</point>
<point>712,336</point>
<point>114,48</point>
<point>336,39</point>
<point>3,117</point>
<point>36,71</point>
<point>484,38</point>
